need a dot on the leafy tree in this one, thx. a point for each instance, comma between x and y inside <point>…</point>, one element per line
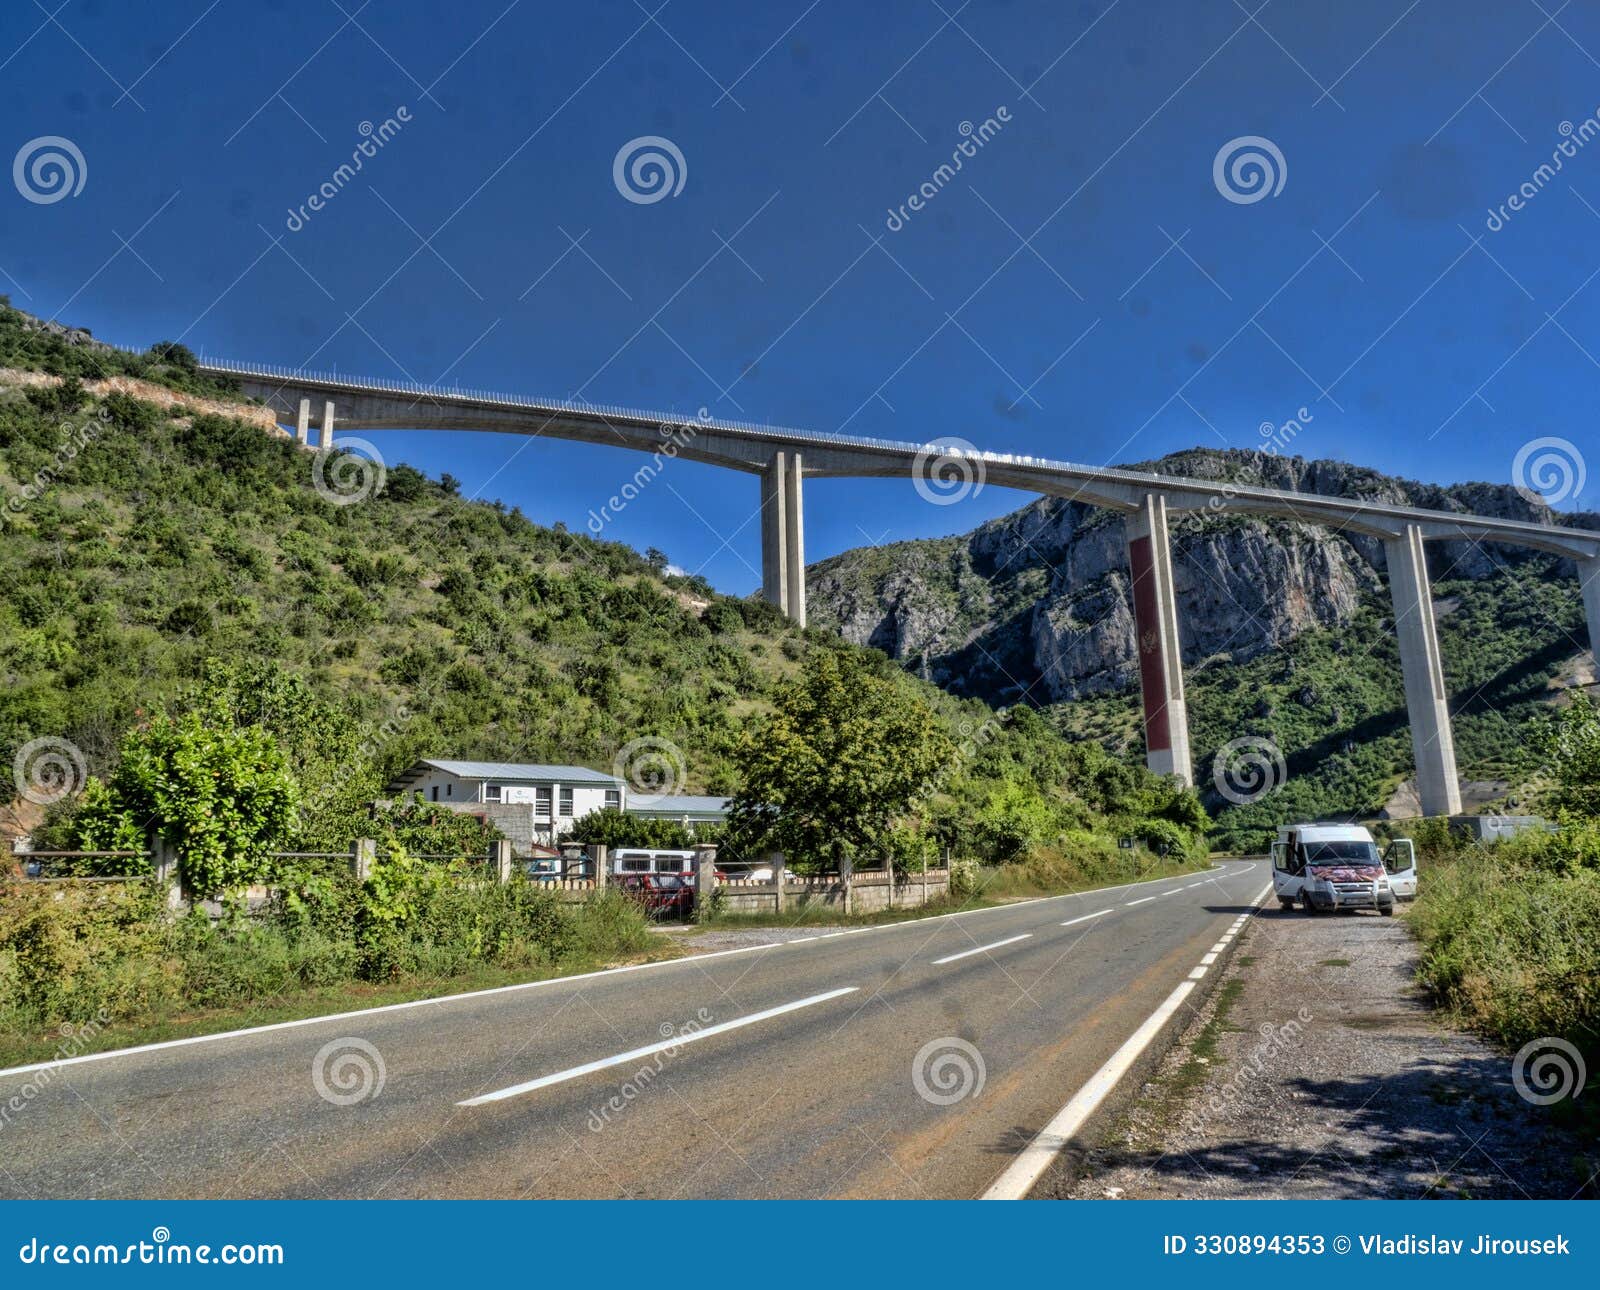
<point>847,751</point>
<point>614,828</point>
<point>223,799</point>
<point>1571,742</point>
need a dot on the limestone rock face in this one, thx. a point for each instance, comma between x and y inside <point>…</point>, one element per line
<point>1036,606</point>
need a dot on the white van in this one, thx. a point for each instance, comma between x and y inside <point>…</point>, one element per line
<point>1337,866</point>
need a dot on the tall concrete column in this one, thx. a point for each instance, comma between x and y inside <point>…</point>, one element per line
<point>1589,577</point>
<point>775,532</point>
<point>1155,616</point>
<point>302,424</point>
<point>794,542</point>
<point>1427,704</point>
<point>327,425</point>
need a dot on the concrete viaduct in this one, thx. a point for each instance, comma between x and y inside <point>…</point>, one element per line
<point>784,458</point>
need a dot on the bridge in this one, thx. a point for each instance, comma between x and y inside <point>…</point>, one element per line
<point>784,458</point>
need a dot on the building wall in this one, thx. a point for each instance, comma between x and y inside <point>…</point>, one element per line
<point>522,822</point>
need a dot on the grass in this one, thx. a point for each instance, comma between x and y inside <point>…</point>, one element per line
<point>18,1049</point>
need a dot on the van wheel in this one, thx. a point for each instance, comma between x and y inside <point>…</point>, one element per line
<point>1386,910</point>
<point>1305,902</point>
<point>1287,904</point>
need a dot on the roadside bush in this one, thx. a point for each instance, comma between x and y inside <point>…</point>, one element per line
<point>1512,948</point>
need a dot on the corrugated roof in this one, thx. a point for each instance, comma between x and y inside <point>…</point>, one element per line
<point>521,770</point>
<point>677,804</point>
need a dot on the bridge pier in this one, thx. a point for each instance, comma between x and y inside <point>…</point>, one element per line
<point>327,425</point>
<point>1589,578</point>
<point>302,423</point>
<point>794,542</point>
<point>1427,702</point>
<point>783,547</point>
<point>1155,616</point>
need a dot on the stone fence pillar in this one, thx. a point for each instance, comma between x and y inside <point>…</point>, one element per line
<point>599,862</point>
<point>502,860</point>
<point>363,852</point>
<point>779,876</point>
<point>705,880</point>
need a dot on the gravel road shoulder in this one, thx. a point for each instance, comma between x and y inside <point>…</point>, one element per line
<point>1317,1069</point>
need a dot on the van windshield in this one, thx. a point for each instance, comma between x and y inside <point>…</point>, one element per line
<point>1340,852</point>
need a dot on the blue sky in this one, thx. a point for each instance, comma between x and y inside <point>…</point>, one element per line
<point>1080,289</point>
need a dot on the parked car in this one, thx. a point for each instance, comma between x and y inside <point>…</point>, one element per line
<point>1324,867</point>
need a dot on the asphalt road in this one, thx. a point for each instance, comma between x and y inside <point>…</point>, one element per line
<point>789,1070</point>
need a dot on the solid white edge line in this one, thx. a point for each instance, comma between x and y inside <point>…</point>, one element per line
<point>1021,1174</point>
<point>649,1050</point>
<point>1010,940</point>
<point>1097,914</point>
<point>245,1031</point>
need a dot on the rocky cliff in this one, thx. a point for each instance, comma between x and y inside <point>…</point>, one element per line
<point>1036,607</point>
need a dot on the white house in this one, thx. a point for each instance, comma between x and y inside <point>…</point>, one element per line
<point>686,809</point>
<point>531,803</point>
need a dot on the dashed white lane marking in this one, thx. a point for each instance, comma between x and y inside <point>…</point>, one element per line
<point>1071,921</point>
<point>1131,903</point>
<point>981,949</point>
<point>676,1041</point>
<point>1021,1174</point>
